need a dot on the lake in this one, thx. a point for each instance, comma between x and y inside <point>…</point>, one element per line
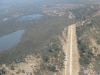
<point>29,17</point>
<point>10,40</point>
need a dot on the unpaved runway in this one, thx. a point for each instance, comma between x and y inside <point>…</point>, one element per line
<point>71,51</point>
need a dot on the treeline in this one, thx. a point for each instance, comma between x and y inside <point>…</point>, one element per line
<point>13,56</point>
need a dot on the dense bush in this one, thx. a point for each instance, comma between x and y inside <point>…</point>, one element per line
<point>85,52</point>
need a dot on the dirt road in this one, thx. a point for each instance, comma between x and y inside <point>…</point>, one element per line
<point>71,52</point>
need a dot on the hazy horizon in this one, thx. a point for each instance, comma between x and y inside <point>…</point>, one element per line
<point>16,1</point>
<point>56,1</point>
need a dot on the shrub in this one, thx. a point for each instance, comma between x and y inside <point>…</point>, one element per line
<point>52,68</point>
<point>50,50</point>
<point>23,71</point>
<point>54,46</point>
<point>48,67</point>
<point>13,74</point>
<point>30,73</point>
<point>45,58</point>
<point>12,67</point>
<point>55,55</point>
<point>18,71</point>
<point>42,66</point>
<point>3,71</point>
<point>98,41</point>
<point>37,72</point>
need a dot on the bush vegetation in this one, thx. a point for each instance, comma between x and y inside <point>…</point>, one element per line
<point>84,34</point>
<point>12,67</point>
<point>52,57</point>
<point>23,71</point>
<point>18,71</point>
<point>83,13</point>
<point>3,71</point>
<point>84,42</point>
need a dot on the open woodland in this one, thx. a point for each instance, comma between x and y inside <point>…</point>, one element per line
<point>41,41</point>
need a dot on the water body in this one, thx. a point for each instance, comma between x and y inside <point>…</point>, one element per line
<point>29,17</point>
<point>10,40</point>
<point>23,18</point>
